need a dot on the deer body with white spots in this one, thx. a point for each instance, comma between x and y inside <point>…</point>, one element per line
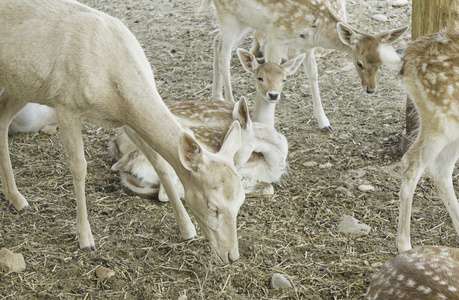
<point>300,25</point>
<point>430,76</point>
<point>262,155</point>
<point>424,273</point>
<point>89,67</point>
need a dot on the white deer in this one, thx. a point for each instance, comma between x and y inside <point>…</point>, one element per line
<point>300,25</point>
<point>261,157</point>
<point>32,118</point>
<point>430,76</point>
<point>89,66</point>
<point>427,272</point>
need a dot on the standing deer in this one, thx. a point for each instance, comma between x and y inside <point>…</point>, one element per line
<point>209,121</point>
<point>89,66</point>
<point>427,273</point>
<point>300,25</point>
<point>430,76</point>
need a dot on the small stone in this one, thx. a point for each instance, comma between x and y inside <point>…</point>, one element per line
<point>366,188</point>
<point>310,164</point>
<point>103,273</point>
<point>379,17</point>
<point>399,3</point>
<point>351,227</point>
<point>11,262</point>
<point>293,154</point>
<point>182,297</point>
<point>326,166</point>
<point>278,281</point>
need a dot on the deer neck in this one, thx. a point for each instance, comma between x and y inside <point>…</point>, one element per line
<point>263,110</point>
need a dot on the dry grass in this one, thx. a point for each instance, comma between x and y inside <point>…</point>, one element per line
<point>293,232</point>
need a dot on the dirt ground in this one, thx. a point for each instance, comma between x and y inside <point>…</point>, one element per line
<point>293,233</point>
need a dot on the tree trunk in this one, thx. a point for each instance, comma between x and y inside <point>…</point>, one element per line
<point>428,17</point>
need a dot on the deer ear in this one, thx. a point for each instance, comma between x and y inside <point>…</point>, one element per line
<point>247,59</point>
<point>391,36</point>
<point>241,113</point>
<point>190,153</point>
<point>292,65</point>
<point>346,34</point>
<point>232,141</point>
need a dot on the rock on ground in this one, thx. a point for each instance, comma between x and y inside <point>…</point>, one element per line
<point>11,262</point>
<point>278,281</point>
<point>351,227</point>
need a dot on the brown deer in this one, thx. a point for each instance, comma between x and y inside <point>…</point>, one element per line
<point>89,66</point>
<point>302,26</point>
<point>430,76</point>
<point>427,273</point>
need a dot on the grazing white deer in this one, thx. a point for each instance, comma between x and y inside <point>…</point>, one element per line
<point>427,273</point>
<point>89,66</point>
<point>32,118</point>
<point>301,25</point>
<point>430,76</point>
<point>261,157</point>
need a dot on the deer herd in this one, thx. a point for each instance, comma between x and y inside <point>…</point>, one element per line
<point>63,62</point>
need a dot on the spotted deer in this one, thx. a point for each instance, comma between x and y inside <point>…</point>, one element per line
<point>430,76</point>
<point>300,25</point>
<point>427,273</point>
<point>89,66</point>
<point>261,158</point>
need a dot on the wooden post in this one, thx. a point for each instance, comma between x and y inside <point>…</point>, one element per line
<point>428,17</point>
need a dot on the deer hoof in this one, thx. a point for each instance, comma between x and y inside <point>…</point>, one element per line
<point>26,209</point>
<point>327,129</point>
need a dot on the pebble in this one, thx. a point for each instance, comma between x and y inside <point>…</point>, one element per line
<point>182,297</point>
<point>379,17</point>
<point>399,3</point>
<point>11,262</point>
<point>351,227</point>
<point>278,281</point>
<point>326,166</point>
<point>103,273</point>
<point>366,188</point>
<point>310,164</point>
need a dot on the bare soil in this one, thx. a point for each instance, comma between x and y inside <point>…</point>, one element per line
<point>293,232</point>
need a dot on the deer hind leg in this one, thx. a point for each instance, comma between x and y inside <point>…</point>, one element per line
<point>419,156</point>
<point>230,33</point>
<point>166,175</point>
<point>70,131</point>
<point>9,107</point>
<point>310,67</point>
<point>441,170</point>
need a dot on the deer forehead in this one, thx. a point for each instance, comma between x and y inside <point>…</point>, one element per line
<point>270,71</point>
<point>367,49</point>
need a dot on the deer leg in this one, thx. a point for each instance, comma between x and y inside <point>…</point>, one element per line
<point>441,170</point>
<point>166,175</point>
<point>310,67</point>
<point>70,132</point>
<point>217,84</point>
<point>420,155</point>
<point>229,35</point>
<point>9,107</point>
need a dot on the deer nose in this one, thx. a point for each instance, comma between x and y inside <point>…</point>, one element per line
<point>273,95</point>
<point>230,259</point>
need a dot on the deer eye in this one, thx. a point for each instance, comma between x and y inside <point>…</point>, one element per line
<point>260,79</point>
<point>212,208</point>
<point>360,64</point>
